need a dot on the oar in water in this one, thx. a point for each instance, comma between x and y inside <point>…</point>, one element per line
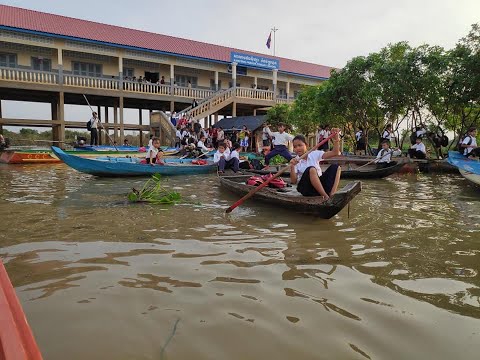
<point>106,132</point>
<point>280,172</point>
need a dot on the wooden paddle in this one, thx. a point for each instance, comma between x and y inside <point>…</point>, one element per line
<point>374,160</point>
<point>109,138</point>
<point>280,172</point>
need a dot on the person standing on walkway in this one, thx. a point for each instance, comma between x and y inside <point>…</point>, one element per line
<point>94,125</point>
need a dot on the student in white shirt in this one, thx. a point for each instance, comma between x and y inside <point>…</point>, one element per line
<point>223,159</point>
<point>322,135</point>
<point>150,142</point>
<point>361,148</point>
<point>469,143</point>
<point>94,124</point>
<point>384,156</point>
<point>265,137</point>
<point>201,144</point>
<point>307,172</point>
<point>386,135</point>
<point>418,150</point>
<point>178,137</point>
<point>280,142</point>
<point>154,153</point>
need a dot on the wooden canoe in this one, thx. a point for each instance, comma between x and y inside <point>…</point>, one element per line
<point>349,171</point>
<point>289,198</point>
<point>16,337</point>
<point>108,166</point>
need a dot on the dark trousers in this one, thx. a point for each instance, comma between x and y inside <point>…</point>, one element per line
<point>230,164</point>
<point>416,154</point>
<point>94,137</point>
<point>278,150</point>
<point>327,179</point>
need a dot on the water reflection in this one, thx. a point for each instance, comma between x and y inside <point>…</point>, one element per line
<point>403,266</point>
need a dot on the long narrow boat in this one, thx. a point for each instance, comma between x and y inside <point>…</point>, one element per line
<point>16,337</point>
<point>349,171</point>
<point>46,156</point>
<point>469,168</point>
<point>290,198</point>
<point>108,166</point>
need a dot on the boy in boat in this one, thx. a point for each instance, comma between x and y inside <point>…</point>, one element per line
<point>307,172</point>
<point>280,142</point>
<point>152,153</point>
<point>384,156</point>
<point>469,144</point>
<point>201,144</point>
<point>224,160</point>
<point>417,150</point>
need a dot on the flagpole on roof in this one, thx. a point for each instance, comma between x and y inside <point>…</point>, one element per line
<point>274,29</point>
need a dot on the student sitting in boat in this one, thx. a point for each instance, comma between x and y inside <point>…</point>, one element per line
<point>418,150</point>
<point>469,144</point>
<point>224,160</point>
<point>280,142</point>
<point>307,172</point>
<point>384,156</point>
<point>153,152</point>
<point>201,144</point>
<point>386,135</point>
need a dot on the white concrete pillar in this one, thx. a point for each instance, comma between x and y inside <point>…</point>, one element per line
<point>275,75</point>
<point>255,82</point>
<point>60,65</point>
<point>172,77</point>
<point>216,80</point>
<point>288,89</point>
<point>120,72</point>
<point>234,74</point>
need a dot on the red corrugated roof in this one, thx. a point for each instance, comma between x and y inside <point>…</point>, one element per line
<point>61,25</point>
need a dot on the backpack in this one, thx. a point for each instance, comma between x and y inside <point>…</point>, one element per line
<point>89,125</point>
<point>256,164</point>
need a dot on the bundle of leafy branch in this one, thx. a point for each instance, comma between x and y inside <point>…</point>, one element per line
<point>278,160</point>
<point>154,193</point>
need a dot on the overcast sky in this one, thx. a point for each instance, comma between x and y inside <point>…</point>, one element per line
<point>318,31</point>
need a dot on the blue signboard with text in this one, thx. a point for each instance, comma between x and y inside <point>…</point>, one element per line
<point>254,61</point>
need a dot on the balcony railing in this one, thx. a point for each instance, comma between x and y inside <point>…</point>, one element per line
<point>90,82</point>
<point>28,76</point>
<point>53,78</point>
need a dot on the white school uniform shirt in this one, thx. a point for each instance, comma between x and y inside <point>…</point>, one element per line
<point>280,139</point>
<point>420,133</point>
<point>469,139</point>
<point>185,134</point>
<point>178,134</point>
<point>359,135</point>
<point>154,152</point>
<point>264,134</point>
<point>387,135</point>
<point>218,155</point>
<point>387,158</point>
<point>420,147</point>
<point>313,159</point>
<point>201,145</point>
<point>94,123</point>
<point>150,143</point>
<point>234,154</point>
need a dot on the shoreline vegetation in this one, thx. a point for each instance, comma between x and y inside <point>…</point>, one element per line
<point>400,85</point>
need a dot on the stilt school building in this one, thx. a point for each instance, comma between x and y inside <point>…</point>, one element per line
<point>56,60</point>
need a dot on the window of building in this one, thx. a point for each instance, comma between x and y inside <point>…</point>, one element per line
<point>41,64</point>
<point>262,87</point>
<point>282,93</point>
<point>8,60</point>
<point>87,69</point>
<point>182,80</point>
<point>128,72</point>
<point>230,84</point>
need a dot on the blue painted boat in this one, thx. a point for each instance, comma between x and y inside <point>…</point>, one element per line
<point>127,166</point>
<point>469,168</point>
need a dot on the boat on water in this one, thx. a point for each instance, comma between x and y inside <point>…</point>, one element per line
<point>469,168</point>
<point>16,337</point>
<point>131,166</point>
<point>349,170</point>
<point>46,156</point>
<point>290,198</point>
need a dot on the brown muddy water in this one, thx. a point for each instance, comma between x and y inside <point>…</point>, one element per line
<point>102,279</point>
